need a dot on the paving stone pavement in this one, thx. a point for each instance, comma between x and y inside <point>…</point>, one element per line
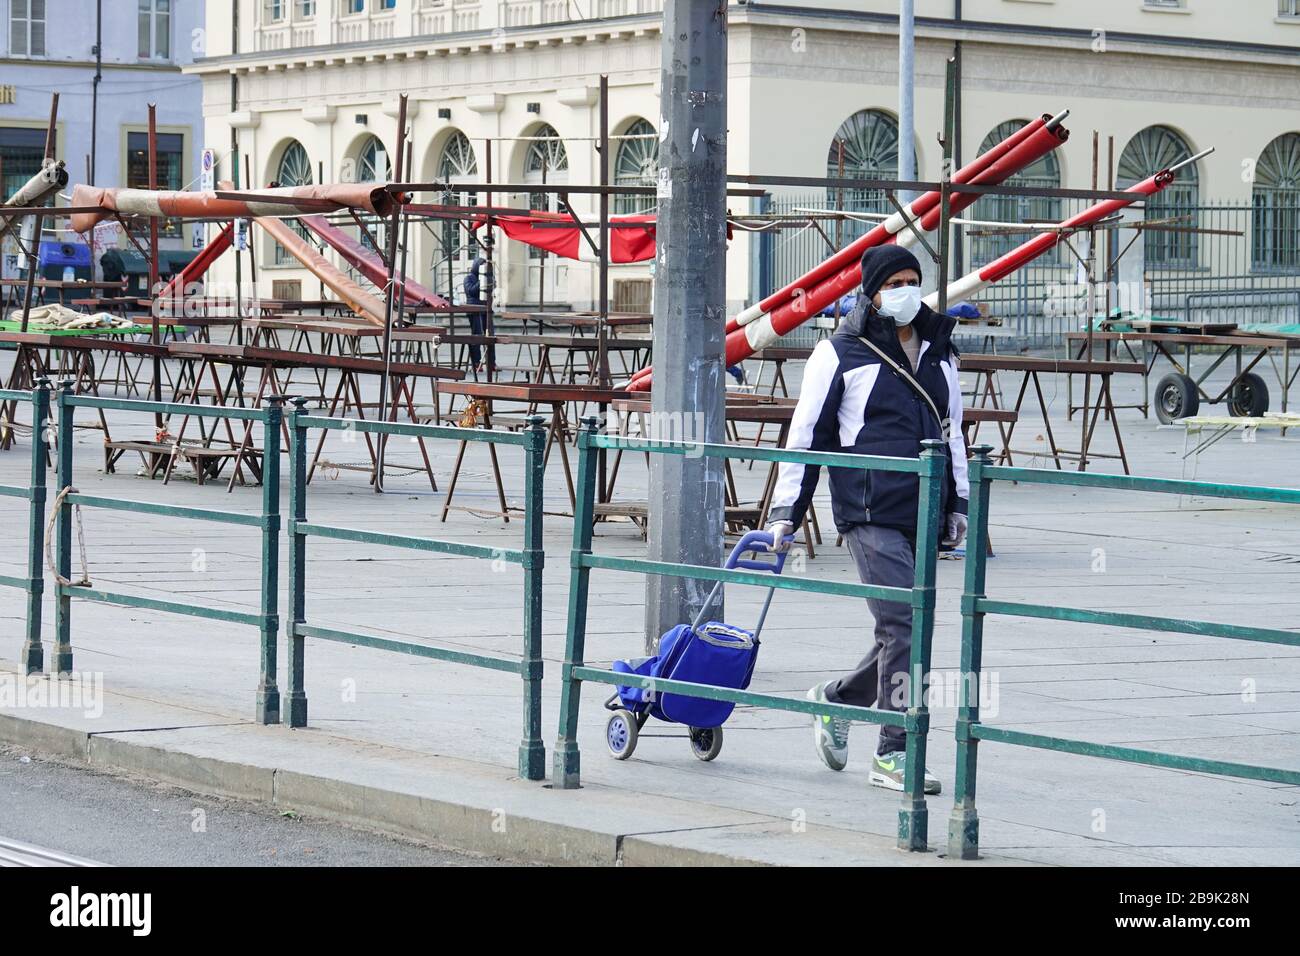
<point>188,682</point>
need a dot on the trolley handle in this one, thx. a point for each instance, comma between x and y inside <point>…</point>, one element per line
<point>760,542</point>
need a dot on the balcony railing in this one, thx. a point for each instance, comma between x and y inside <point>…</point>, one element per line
<point>627,8</point>
<point>447,16</point>
<point>292,27</point>
<point>529,13</point>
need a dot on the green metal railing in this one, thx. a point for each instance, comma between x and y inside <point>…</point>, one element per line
<point>266,620</point>
<point>532,752</point>
<point>963,828</point>
<point>33,655</point>
<point>930,466</point>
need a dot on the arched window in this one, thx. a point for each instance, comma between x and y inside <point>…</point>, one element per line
<point>1153,149</point>
<point>1275,223</point>
<point>457,160</point>
<point>636,164</point>
<point>369,163</point>
<point>372,163</point>
<point>295,166</point>
<point>294,169</point>
<point>457,163</point>
<point>865,147</point>
<point>545,160</point>
<point>1045,173</point>
<point>546,153</point>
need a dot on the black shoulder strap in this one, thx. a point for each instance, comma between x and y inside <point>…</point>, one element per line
<point>906,376</point>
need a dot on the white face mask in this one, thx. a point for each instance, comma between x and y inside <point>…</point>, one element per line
<point>901,304</point>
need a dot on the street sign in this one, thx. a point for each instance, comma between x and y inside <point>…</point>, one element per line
<point>208,170</point>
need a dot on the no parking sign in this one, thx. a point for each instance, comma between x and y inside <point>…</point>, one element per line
<point>207,170</point>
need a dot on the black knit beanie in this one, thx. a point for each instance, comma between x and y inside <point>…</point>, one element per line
<point>881,262</point>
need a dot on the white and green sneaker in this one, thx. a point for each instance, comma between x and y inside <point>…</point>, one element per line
<point>830,734</point>
<point>887,771</point>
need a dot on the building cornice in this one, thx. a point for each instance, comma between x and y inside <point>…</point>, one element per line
<point>980,31</point>
<point>448,44</point>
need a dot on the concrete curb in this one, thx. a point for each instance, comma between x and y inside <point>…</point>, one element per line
<point>477,829</point>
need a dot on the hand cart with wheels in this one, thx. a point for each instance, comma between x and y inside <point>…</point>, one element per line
<point>703,653</point>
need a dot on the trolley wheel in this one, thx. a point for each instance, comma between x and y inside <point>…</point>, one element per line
<point>1249,396</point>
<point>706,742</point>
<point>621,733</point>
<point>1176,397</point>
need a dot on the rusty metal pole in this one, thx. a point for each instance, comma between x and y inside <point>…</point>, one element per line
<point>153,261</point>
<point>406,235</point>
<point>390,289</point>
<point>945,189</point>
<point>1090,271</point>
<point>602,352</point>
<point>34,253</point>
<point>541,275</point>
<point>489,291</point>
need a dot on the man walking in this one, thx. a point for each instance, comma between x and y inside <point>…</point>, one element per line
<point>479,279</point>
<point>884,382</point>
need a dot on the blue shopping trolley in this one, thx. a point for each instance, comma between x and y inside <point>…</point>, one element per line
<point>711,653</point>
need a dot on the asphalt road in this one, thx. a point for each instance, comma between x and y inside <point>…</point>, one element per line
<point>130,822</point>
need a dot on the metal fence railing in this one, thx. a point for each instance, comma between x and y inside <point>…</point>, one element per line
<point>33,655</point>
<point>532,752</point>
<point>912,815</point>
<point>963,828</point>
<point>266,619</point>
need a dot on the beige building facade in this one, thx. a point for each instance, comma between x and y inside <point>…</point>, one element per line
<point>316,85</point>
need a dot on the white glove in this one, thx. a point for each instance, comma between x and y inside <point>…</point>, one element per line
<point>779,530</point>
<point>955,531</point>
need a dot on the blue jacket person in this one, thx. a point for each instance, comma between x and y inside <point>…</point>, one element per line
<point>856,397</point>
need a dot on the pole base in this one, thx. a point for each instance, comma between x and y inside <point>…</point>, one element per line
<point>532,760</point>
<point>33,658</point>
<point>295,711</point>
<point>913,827</point>
<point>62,663</point>
<point>268,706</point>
<point>565,762</point>
<point>963,834</point>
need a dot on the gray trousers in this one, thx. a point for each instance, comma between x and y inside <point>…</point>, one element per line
<point>884,556</point>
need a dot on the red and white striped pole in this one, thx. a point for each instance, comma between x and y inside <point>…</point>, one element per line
<point>974,282</point>
<point>1027,145</point>
<point>743,342</point>
<point>810,293</point>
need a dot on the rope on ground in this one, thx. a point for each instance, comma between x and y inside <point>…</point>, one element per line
<point>18,428</point>
<point>81,541</point>
<point>400,471</point>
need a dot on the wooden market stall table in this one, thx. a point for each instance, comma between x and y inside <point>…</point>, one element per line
<point>483,401</point>
<point>59,353</point>
<point>1031,368</point>
<point>541,369</point>
<point>1157,345</point>
<point>581,320</point>
<point>34,359</point>
<point>274,366</point>
<point>14,290</point>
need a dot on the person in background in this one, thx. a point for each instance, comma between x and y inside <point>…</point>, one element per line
<point>885,381</point>
<point>479,279</point>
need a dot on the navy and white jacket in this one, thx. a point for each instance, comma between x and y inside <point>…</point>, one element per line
<point>851,401</point>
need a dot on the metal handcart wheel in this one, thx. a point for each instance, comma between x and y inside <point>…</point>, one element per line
<point>706,742</point>
<point>621,733</point>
